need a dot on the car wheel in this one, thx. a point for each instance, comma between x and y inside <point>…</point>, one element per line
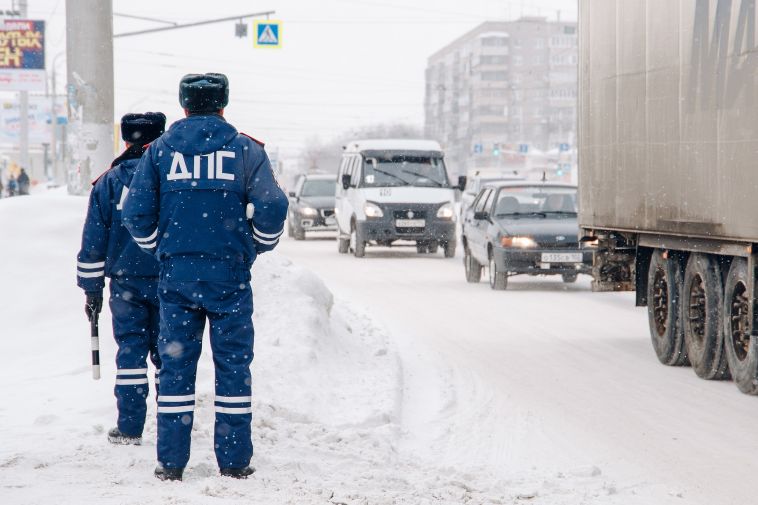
<point>421,247</point>
<point>741,350</point>
<point>433,247</point>
<point>498,280</point>
<point>357,243</point>
<point>299,233</point>
<point>570,278</point>
<point>290,233</point>
<point>473,268</point>
<point>449,249</point>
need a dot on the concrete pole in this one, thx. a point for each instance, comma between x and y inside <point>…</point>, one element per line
<point>89,55</point>
<point>23,109</point>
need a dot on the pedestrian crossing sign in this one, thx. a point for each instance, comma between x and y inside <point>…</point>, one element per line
<point>268,33</point>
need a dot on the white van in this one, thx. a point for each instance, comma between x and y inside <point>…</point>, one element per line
<point>395,190</point>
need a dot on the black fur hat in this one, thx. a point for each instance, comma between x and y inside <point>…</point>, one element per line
<point>204,92</point>
<point>142,128</point>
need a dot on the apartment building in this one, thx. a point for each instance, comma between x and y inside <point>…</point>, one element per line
<point>503,96</point>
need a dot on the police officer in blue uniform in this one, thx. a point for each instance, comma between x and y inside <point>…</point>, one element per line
<point>206,201</point>
<point>109,251</point>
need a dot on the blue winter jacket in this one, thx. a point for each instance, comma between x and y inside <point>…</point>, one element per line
<point>192,198</point>
<point>107,247</point>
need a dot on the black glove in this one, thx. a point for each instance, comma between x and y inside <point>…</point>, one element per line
<point>94,304</point>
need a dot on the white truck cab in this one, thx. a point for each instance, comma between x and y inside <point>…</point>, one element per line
<point>395,190</point>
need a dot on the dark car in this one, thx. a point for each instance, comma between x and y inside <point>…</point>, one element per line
<point>312,205</point>
<point>523,228</point>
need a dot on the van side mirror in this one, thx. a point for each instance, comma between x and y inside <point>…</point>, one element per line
<point>462,180</point>
<point>346,181</point>
<point>481,215</point>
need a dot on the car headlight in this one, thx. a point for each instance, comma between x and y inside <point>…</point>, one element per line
<point>372,210</point>
<point>446,211</point>
<point>308,212</point>
<point>519,242</point>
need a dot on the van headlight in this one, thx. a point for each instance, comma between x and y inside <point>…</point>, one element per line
<point>446,211</point>
<point>372,210</point>
<point>308,212</point>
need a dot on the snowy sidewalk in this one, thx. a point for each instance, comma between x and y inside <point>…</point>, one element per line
<point>326,389</point>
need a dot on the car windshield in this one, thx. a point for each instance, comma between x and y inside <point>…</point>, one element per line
<point>319,187</point>
<point>393,169</point>
<point>547,202</point>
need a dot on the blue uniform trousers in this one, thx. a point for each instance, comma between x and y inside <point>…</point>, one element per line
<point>135,311</point>
<point>228,306</point>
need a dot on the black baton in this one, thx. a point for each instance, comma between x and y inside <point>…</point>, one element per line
<point>95,333</point>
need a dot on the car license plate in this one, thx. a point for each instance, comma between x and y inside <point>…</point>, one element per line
<point>562,257</point>
<point>410,223</point>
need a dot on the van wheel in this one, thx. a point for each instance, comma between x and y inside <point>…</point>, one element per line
<point>343,245</point>
<point>433,247</point>
<point>702,305</point>
<point>449,249</point>
<point>498,280</point>
<point>421,247</point>
<point>357,243</point>
<point>664,289</point>
<point>740,347</point>
<point>472,267</point>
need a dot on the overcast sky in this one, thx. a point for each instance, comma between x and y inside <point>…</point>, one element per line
<point>344,64</point>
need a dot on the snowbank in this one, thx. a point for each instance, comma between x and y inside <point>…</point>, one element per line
<point>327,387</point>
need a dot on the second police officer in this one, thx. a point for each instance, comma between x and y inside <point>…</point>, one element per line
<point>109,251</point>
<point>205,200</point>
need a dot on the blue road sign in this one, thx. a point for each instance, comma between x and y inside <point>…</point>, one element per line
<point>523,148</point>
<point>268,34</point>
<point>563,147</point>
<point>478,148</point>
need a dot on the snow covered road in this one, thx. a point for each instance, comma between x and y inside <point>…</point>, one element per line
<point>547,382</point>
<point>384,380</point>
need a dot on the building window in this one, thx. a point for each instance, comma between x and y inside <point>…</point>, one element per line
<point>495,41</point>
<point>493,60</point>
<point>494,76</point>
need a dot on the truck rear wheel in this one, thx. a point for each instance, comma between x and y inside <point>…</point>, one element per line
<point>702,317</point>
<point>741,350</point>
<point>663,296</point>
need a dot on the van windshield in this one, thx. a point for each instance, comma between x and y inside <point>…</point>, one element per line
<point>383,169</point>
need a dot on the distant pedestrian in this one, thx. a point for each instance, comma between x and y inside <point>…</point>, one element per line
<point>23,183</point>
<point>12,186</point>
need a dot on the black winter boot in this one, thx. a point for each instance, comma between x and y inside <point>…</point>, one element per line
<point>168,473</point>
<point>238,473</point>
<point>116,437</point>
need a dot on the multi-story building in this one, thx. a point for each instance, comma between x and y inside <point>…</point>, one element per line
<point>503,96</point>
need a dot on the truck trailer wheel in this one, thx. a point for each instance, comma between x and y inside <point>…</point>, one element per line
<point>741,350</point>
<point>702,317</point>
<point>663,296</point>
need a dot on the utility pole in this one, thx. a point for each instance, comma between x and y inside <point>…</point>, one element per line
<point>89,55</point>
<point>23,108</point>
